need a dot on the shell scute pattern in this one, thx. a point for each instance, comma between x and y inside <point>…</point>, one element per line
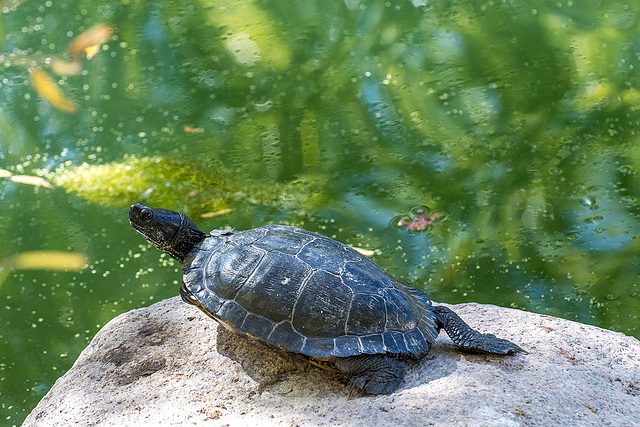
<point>324,297</point>
<point>209,301</point>
<point>360,320</point>
<point>284,333</point>
<point>286,240</point>
<point>242,238</point>
<point>306,293</point>
<point>358,275</point>
<point>232,312</point>
<point>319,347</point>
<point>323,255</point>
<point>195,277</point>
<point>395,340</point>
<point>273,288</point>
<point>371,343</point>
<point>414,340</point>
<point>400,316</point>
<point>231,268</point>
<point>348,345</point>
<point>257,326</point>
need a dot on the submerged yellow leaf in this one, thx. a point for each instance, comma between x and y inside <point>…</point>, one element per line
<point>43,260</point>
<point>31,180</point>
<point>64,68</point>
<point>48,260</point>
<point>25,179</point>
<point>49,90</point>
<point>90,41</point>
<point>92,51</point>
<point>216,213</point>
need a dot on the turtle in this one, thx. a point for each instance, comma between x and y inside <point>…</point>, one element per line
<point>309,294</point>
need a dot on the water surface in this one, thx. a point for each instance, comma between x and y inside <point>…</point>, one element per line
<point>516,122</point>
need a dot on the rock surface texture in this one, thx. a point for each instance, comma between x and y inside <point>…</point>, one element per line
<point>169,364</point>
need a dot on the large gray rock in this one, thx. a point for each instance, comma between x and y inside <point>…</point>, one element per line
<point>169,364</point>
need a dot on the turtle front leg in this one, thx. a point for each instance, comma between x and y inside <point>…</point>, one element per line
<point>372,373</point>
<point>468,339</point>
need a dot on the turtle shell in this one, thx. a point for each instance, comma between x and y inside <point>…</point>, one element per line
<point>306,293</point>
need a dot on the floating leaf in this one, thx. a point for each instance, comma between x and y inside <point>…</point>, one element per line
<point>365,252</point>
<point>190,129</point>
<point>419,219</point>
<point>90,41</point>
<point>49,90</point>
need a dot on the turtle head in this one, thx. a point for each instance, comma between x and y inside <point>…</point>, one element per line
<point>169,231</point>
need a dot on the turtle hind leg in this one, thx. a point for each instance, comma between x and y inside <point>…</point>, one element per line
<point>470,340</point>
<point>372,373</point>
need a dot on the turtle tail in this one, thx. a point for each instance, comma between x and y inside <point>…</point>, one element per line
<point>470,340</point>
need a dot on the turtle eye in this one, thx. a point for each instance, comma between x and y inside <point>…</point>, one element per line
<point>146,214</point>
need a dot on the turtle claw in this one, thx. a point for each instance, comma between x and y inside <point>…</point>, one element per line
<point>373,384</point>
<point>489,343</point>
<point>372,374</point>
<point>355,390</point>
<point>502,346</point>
<point>470,340</point>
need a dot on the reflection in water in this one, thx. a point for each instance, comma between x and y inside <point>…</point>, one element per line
<point>518,121</point>
<point>7,6</point>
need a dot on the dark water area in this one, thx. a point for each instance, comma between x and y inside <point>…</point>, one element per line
<point>515,125</point>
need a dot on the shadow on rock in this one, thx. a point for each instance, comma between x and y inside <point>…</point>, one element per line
<point>275,369</point>
<point>440,362</point>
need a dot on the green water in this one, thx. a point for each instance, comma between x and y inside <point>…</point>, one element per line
<point>518,121</point>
